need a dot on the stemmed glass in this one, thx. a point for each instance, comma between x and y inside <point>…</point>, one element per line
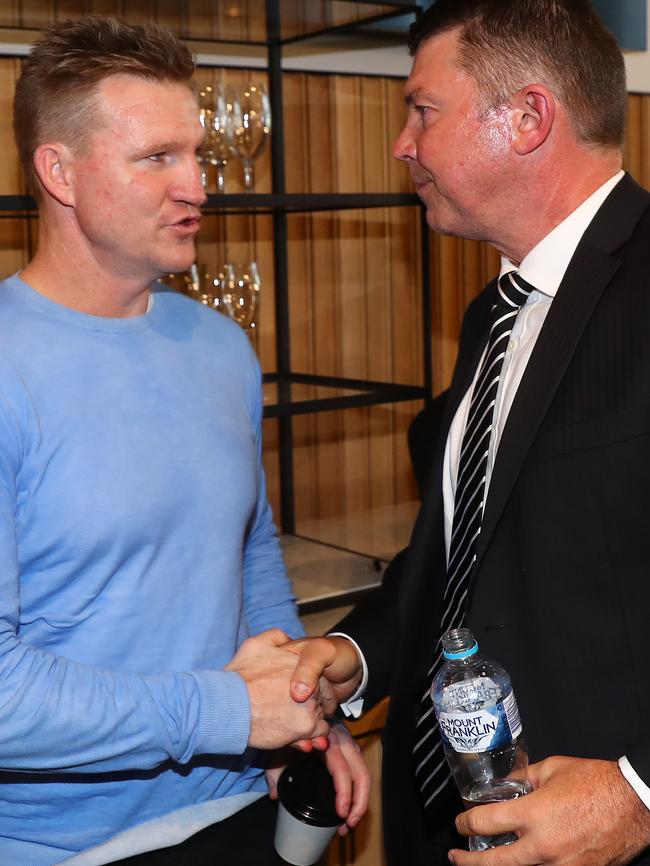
<point>251,127</point>
<point>205,284</point>
<point>241,293</point>
<point>214,114</point>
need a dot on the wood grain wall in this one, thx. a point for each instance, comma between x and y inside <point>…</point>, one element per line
<point>355,294</point>
<point>241,19</point>
<point>197,19</point>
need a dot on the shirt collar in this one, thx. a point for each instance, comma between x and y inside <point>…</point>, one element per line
<point>545,265</point>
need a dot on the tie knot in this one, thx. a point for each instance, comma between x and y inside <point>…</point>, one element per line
<point>513,290</point>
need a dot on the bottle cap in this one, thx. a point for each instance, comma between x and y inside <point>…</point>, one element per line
<point>460,654</point>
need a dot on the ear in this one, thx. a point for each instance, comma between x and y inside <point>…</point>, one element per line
<point>53,164</point>
<point>533,117</point>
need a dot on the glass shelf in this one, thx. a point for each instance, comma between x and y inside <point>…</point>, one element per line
<point>324,577</point>
<point>300,393</point>
<point>334,562</point>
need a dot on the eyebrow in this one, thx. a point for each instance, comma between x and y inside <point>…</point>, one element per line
<point>413,95</point>
<point>153,146</point>
<point>172,145</point>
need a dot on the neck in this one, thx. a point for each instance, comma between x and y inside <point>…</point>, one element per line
<point>547,197</point>
<point>65,271</point>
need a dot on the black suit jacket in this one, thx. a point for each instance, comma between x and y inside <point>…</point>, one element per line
<point>561,594</point>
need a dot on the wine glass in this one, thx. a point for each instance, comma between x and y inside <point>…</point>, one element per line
<point>205,284</point>
<point>251,125</point>
<point>215,118</point>
<point>179,282</point>
<point>241,294</point>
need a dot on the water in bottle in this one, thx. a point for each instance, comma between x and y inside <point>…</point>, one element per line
<point>480,728</point>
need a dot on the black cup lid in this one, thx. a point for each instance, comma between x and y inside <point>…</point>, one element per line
<point>306,791</point>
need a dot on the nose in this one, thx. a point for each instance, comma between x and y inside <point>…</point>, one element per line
<point>405,146</point>
<point>188,187</point>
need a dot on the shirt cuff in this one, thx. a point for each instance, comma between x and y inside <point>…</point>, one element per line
<point>635,780</point>
<point>353,707</point>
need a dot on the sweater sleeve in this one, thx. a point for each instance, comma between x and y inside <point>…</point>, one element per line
<point>268,596</point>
<point>57,715</point>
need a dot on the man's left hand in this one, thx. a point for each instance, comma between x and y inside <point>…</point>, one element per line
<point>581,813</point>
<point>351,777</point>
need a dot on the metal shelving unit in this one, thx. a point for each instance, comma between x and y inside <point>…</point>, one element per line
<point>367,393</point>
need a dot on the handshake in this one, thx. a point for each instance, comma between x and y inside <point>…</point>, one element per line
<point>294,687</point>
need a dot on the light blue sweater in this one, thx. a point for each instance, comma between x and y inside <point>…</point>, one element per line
<point>137,551</point>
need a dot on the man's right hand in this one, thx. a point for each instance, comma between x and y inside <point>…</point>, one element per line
<point>329,667</point>
<point>266,665</point>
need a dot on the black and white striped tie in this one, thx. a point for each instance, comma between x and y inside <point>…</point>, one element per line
<point>431,769</point>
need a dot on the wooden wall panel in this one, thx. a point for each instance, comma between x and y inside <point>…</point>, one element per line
<point>304,16</point>
<point>637,145</point>
<point>361,261</point>
<point>8,13</point>
<point>15,234</point>
<point>350,286</point>
<point>242,19</point>
<point>300,265</point>
<point>374,168</point>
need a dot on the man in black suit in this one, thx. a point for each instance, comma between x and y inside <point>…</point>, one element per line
<point>514,136</point>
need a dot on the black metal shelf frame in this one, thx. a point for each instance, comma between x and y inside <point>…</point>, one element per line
<point>368,393</point>
<point>272,201</point>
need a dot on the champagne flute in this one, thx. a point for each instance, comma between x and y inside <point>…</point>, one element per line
<point>251,125</point>
<point>241,293</point>
<point>179,282</point>
<point>217,145</point>
<point>254,287</point>
<point>205,285</point>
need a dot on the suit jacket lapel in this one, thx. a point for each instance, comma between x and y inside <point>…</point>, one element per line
<point>591,269</point>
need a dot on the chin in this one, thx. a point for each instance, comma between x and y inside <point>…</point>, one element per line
<point>444,223</point>
<point>179,264</point>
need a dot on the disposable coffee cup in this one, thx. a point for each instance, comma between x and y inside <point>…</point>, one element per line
<point>307,817</point>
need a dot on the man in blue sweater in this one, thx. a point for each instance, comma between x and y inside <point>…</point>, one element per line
<point>137,550</point>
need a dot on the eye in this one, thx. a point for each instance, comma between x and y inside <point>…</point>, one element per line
<point>156,157</point>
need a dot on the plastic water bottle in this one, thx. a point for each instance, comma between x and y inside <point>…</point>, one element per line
<point>480,728</point>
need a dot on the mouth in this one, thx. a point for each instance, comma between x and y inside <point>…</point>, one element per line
<point>420,181</point>
<point>421,185</point>
<point>188,225</point>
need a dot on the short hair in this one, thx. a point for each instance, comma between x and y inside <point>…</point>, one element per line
<point>506,44</point>
<point>55,93</point>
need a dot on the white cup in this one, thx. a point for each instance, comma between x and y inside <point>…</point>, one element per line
<point>307,817</point>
